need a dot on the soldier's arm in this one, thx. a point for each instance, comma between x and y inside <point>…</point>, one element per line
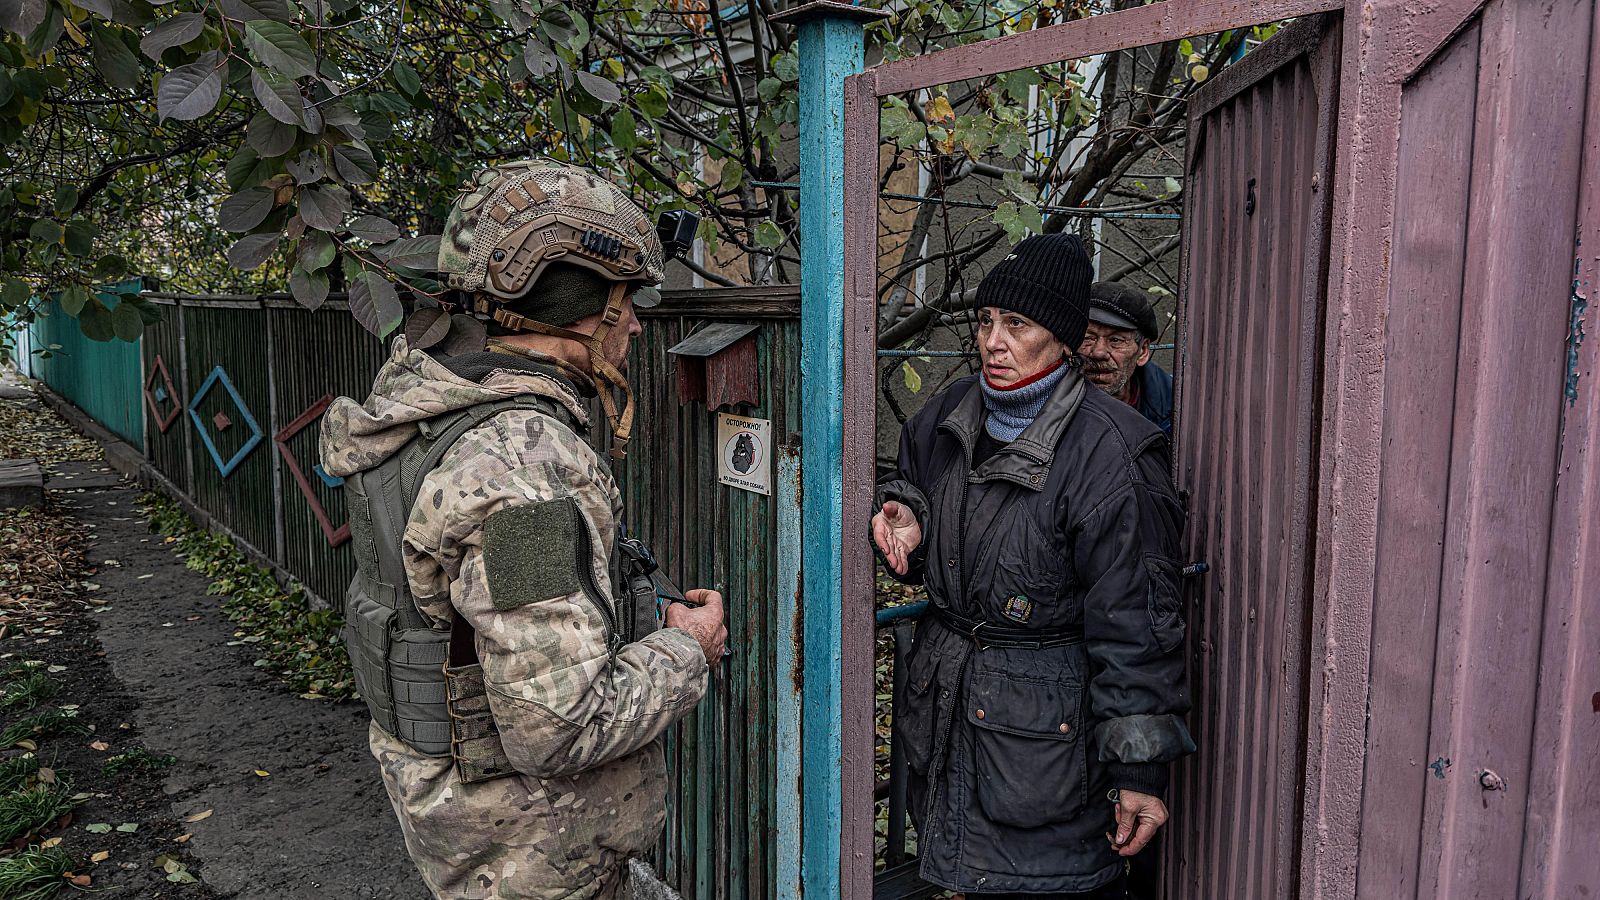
<point>537,589</point>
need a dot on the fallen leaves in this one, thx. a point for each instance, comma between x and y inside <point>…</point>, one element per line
<point>199,816</point>
<point>98,828</point>
<point>102,746</point>
<point>263,773</point>
<point>100,856</point>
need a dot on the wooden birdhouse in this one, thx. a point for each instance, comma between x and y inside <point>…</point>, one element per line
<point>718,364</point>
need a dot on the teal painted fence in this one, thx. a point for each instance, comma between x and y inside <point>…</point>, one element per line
<point>102,379</point>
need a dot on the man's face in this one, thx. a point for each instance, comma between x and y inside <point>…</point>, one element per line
<point>614,348</point>
<point>1111,356</point>
<point>1014,347</point>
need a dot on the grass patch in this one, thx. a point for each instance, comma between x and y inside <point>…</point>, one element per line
<point>48,723</point>
<point>137,758</point>
<point>28,691</point>
<point>15,773</point>
<point>24,812</point>
<point>35,873</point>
<point>299,645</point>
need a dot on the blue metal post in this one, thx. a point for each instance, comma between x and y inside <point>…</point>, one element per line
<point>830,46</point>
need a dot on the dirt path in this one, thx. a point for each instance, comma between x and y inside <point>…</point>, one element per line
<point>153,660</point>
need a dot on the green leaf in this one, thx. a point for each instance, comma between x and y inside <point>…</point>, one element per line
<point>15,293</point>
<point>189,92</point>
<point>562,27</point>
<point>624,131</point>
<point>769,88</point>
<point>113,58</point>
<point>768,235</point>
<point>270,137</point>
<point>406,78</point>
<point>252,10</point>
<point>250,251</point>
<point>374,230</point>
<point>653,102</point>
<point>180,29</point>
<point>80,237</point>
<point>599,87</point>
<point>1172,185</point>
<point>245,210</point>
<point>281,48</point>
<point>324,208</point>
<point>95,322</point>
<point>353,163</point>
<point>66,199</point>
<point>74,299</point>
<point>47,231</point>
<point>732,175</point>
<point>912,377</point>
<point>127,322</point>
<point>539,59</point>
<point>98,828</point>
<point>316,251</point>
<point>307,168</point>
<point>420,253</point>
<point>48,34</point>
<point>375,304</point>
<point>786,66</point>
<point>310,289</point>
<point>240,167</point>
<point>22,16</point>
<point>128,827</point>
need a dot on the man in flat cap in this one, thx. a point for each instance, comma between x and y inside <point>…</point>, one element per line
<point>1116,351</point>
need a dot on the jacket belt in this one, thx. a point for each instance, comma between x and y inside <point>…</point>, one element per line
<point>990,634</point>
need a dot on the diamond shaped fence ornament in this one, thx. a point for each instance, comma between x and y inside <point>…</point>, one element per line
<point>335,535</point>
<point>222,421</point>
<point>224,466</point>
<point>158,390</point>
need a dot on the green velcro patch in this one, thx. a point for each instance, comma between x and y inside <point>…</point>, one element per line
<point>530,552</point>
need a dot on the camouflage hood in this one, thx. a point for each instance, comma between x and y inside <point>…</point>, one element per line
<point>411,387</point>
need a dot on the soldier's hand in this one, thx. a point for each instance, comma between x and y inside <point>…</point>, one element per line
<point>896,532</point>
<point>1138,817</point>
<point>704,621</point>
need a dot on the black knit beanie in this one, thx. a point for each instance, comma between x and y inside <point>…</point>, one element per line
<point>563,294</point>
<point>1046,278</point>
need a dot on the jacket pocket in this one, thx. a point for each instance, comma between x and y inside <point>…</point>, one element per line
<point>917,710</point>
<point>1031,764</point>
<point>1166,609</point>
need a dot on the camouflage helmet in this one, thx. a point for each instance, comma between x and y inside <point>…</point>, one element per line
<point>512,220</point>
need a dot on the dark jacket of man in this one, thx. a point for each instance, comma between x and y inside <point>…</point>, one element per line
<point>1058,553</point>
<point>1155,396</point>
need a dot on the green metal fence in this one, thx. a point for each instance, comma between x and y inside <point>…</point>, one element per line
<point>100,378</point>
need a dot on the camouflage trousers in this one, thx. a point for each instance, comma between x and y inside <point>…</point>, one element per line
<point>523,838</point>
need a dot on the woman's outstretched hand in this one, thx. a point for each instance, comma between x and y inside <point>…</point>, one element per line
<point>897,534</point>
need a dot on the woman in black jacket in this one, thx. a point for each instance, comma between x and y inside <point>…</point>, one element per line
<point>1045,689</point>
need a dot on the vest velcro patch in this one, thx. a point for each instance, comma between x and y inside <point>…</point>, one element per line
<point>530,552</point>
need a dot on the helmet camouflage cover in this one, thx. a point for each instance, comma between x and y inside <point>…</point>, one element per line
<point>512,220</point>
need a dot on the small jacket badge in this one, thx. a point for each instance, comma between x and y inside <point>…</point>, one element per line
<point>1019,608</point>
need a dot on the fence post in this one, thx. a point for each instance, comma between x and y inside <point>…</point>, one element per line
<point>832,841</point>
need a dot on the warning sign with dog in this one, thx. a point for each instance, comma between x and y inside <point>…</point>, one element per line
<point>745,460</point>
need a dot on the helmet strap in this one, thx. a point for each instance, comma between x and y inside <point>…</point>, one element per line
<point>603,370</point>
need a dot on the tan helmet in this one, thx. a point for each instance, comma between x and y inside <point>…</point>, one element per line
<point>514,219</point>
<point>511,221</point>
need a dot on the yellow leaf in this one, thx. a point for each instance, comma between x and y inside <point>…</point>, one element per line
<point>102,746</point>
<point>182,839</point>
<point>201,816</point>
<point>938,109</point>
<point>80,880</point>
<point>263,773</point>
<point>102,856</point>
<point>50,843</point>
<point>27,744</point>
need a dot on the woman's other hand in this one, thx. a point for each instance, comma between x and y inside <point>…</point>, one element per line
<point>897,534</point>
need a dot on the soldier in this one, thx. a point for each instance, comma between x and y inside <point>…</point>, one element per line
<point>502,629</point>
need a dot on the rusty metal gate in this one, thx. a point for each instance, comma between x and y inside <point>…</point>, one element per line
<point>1255,261</point>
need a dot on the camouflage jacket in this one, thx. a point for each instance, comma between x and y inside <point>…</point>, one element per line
<point>580,723</point>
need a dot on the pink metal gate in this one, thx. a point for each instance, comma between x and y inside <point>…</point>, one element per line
<point>1255,261</point>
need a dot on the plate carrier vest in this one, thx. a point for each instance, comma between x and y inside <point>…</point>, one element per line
<point>424,685</point>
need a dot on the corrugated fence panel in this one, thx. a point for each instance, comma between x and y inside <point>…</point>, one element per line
<point>316,355</point>
<point>100,378</point>
<point>1249,357</point>
<point>233,477</point>
<point>721,816</point>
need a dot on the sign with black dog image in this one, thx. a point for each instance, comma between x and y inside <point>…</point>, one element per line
<point>744,459</point>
